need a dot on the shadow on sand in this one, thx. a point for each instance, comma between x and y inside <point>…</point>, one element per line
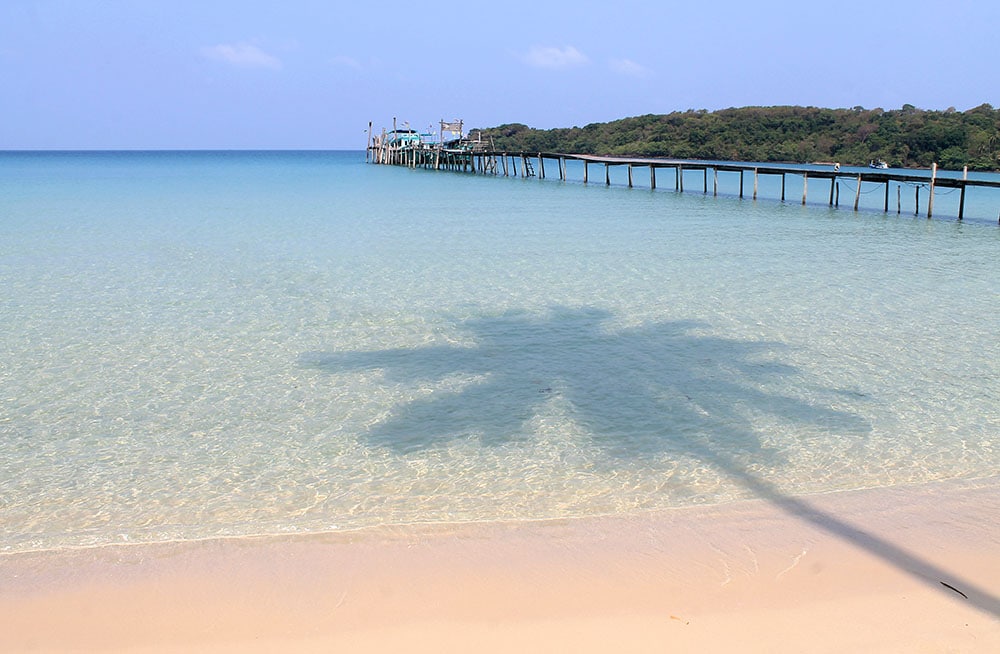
<point>660,388</point>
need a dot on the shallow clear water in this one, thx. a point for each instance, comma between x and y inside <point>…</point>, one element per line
<point>206,344</point>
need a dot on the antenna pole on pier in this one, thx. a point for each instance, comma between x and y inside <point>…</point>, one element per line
<point>368,144</point>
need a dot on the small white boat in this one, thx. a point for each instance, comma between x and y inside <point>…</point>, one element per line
<point>878,163</point>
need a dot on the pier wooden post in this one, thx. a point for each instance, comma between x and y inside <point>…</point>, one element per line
<point>607,175</point>
<point>541,166</point>
<point>836,197</point>
<point>630,175</point>
<point>680,177</point>
<point>715,182</point>
<point>961,195</point>
<point>755,183</point>
<point>857,193</point>
<point>741,184</point>
<point>782,187</point>
<point>805,186</point>
<point>562,168</point>
<point>652,177</point>
<point>899,199</point>
<point>677,178</point>
<point>886,209</point>
<point>916,195</point>
<point>930,198</point>
<point>586,164</point>
<point>704,174</point>
<point>503,160</point>
<point>833,183</point>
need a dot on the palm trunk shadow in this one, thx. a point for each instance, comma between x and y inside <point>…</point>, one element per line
<point>800,508</point>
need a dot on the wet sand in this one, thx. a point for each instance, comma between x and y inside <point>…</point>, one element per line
<point>856,571</point>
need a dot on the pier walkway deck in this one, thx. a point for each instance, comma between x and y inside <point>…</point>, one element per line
<point>478,159</point>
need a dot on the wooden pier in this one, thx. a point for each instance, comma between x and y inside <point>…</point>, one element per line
<point>470,155</point>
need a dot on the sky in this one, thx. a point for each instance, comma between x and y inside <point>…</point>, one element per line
<point>311,74</point>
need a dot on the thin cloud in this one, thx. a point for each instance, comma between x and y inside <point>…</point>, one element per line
<point>344,61</point>
<point>348,63</point>
<point>629,68</point>
<point>554,58</point>
<point>241,54</point>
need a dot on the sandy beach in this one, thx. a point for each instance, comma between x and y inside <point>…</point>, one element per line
<point>914,569</point>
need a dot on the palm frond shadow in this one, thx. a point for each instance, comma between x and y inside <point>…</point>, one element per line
<point>622,385</point>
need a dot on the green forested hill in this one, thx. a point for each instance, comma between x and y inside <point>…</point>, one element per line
<point>905,137</point>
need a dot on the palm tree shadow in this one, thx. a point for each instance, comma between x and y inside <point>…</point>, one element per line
<point>623,387</point>
<point>653,389</point>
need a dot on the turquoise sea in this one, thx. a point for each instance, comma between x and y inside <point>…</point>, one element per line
<point>206,344</point>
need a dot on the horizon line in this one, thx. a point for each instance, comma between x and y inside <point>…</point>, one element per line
<point>9,150</point>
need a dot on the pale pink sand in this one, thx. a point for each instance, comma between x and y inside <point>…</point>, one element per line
<point>751,577</point>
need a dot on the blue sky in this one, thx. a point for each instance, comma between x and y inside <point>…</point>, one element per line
<point>107,74</point>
